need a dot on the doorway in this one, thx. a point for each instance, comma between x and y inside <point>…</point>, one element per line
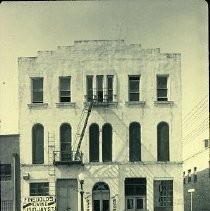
<point>67,195</point>
<point>135,194</point>
<point>101,197</point>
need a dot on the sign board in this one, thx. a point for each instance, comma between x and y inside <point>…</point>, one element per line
<point>191,190</point>
<point>39,203</point>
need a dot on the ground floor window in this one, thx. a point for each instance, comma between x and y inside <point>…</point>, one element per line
<point>39,189</point>
<point>163,195</point>
<point>135,194</point>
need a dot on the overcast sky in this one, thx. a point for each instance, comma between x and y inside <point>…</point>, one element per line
<point>178,26</point>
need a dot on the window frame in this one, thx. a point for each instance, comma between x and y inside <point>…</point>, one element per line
<point>129,87</point>
<point>110,90</point>
<point>162,98</point>
<point>67,90</point>
<point>41,90</point>
<point>100,90</point>
<point>38,186</point>
<point>34,145</point>
<point>89,92</point>
<point>5,172</point>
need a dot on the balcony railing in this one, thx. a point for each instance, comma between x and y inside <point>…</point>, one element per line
<point>100,97</point>
<point>67,158</point>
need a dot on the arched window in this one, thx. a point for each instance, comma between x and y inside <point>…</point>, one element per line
<point>38,144</point>
<point>163,142</point>
<point>107,143</point>
<point>134,142</point>
<point>101,197</point>
<point>94,143</point>
<point>65,142</point>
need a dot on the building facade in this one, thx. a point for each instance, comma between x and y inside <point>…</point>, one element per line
<point>9,173</point>
<point>196,154</point>
<point>100,128</point>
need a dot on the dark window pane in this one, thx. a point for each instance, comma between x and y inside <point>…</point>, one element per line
<point>65,141</point>
<point>134,142</point>
<point>134,88</point>
<point>39,189</point>
<point>65,83</point>
<point>38,144</point>
<point>110,88</point>
<point>96,205</point>
<point>107,143</point>
<point>37,90</point>
<point>105,205</point>
<point>163,141</point>
<point>99,83</point>
<point>162,93</point>
<point>37,83</point>
<point>94,143</point>
<point>89,88</point>
<point>130,203</point>
<point>100,96</point>
<point>134,97</point>
<point>139,204</point>
<point>65,92</point>
<point>5,172</point>
<point>162,82</point>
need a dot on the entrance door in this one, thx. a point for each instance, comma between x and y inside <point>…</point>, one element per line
<point>135,203</point>
<point>101,197</point>
<point>67,195</point>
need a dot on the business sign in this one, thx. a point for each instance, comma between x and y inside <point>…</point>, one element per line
<point>39,203</point>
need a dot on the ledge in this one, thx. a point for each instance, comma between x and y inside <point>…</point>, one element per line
<point>164,103</point>
<point>102,104</point>
<point>66,105</point>
<point>135,103</point>
<point>38,105</point>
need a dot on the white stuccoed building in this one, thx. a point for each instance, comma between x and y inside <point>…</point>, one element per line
<point>131,152</point>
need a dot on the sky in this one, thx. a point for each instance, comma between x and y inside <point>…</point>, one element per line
<point>178,26</point>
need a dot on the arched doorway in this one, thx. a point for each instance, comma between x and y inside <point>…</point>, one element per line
<point>101,196</point>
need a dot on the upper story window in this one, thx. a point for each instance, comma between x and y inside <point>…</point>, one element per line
<point>162,88</point>
<point>89,84</point>
<point>65,89</point>
<point>163,141</point>
<point>5,172</point>
<point>134,82</point>
<point>37,90</point>
<point>39,189</point>
<point>107,142</point>
<point>206,143</point>
<point>94,143</point>
<point>100,88</point>
<point>134,142</point>
<point>38,144</point>
<point>189,175</point>
<point>110,88</point>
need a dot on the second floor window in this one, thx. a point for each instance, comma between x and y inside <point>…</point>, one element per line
<point>37,90</point>
<point>89,88</point>
<point>5,172</point>
<point>110,88</point>
<point>65,91</point>
<point>38,144</point>
<point>134,88</point>
<point>99,88</point>
<point>162,88</point>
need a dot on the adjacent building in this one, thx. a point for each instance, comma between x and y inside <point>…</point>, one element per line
<point>196,154</point>
<point>9,173</point>
<point>100,128</point>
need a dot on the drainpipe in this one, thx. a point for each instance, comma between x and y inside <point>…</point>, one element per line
<point>14,181</point>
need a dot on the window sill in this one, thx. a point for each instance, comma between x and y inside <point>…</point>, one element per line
<point>38,105</point>
<point>135,103</point>
<point>66,105</point>
<point>167,103</point>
